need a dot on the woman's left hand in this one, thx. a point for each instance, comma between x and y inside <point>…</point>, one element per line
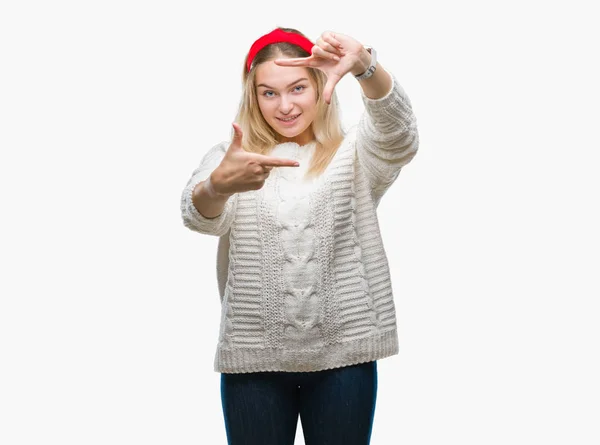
<point>336,55</point>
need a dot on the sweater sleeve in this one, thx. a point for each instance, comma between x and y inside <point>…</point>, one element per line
<point>193,219</point>
<point>386,138</point>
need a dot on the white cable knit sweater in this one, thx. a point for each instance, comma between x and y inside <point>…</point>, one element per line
<point>303,275</point>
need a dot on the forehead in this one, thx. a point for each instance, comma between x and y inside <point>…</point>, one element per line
<point>279,76</point>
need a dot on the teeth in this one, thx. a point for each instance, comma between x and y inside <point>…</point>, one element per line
<point>290,119</point>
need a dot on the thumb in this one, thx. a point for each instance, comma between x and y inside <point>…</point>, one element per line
<point>328,91</point>
<point>236,142</point>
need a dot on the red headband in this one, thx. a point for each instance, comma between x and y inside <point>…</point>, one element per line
<point>277,36</point>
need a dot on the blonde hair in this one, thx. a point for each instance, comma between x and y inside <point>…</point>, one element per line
<point>259,137</point>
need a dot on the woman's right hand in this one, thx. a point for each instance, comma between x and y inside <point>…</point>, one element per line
<point>241,171</point>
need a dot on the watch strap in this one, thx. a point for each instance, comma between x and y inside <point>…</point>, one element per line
<point>372,65</point>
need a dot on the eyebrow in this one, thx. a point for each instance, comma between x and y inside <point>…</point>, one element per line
<point>293,83</point>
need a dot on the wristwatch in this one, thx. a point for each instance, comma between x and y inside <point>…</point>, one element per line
<point>372,66</point>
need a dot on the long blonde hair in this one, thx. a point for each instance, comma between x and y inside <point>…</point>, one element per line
<point>259,137</point>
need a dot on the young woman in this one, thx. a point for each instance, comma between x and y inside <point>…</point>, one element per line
<point>305,288</point>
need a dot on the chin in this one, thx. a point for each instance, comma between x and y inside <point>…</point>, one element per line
<point>289,132</point>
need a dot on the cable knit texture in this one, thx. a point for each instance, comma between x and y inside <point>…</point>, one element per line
<point>302,273</point>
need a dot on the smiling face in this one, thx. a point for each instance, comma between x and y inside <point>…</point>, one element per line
<point>285,92</point>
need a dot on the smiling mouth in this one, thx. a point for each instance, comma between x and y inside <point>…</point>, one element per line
<point>291,119</point>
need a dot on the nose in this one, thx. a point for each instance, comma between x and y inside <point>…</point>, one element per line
<point>286,105</point>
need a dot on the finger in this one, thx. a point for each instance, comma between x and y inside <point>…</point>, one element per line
<point>330,38</point>
<point>299,61</point>
<point>270,161</point>
<point>332,81</point>
<point>325,54</point>
<point>328,46</point>
<point>237,136</point>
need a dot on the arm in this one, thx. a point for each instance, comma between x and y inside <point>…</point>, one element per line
<point>218,212</point>
<point>209,203</point>
<point>376,86</point>
<point>387,137</point>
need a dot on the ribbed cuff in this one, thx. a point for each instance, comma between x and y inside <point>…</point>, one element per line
<point>195,220</point>
<point>389,107</point>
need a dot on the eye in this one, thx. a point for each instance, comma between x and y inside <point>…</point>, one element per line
<point>266,92</point>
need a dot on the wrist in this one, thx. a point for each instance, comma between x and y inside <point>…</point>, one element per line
<point>210,189</point>
<point>363,62</point>
<point>213,187</point>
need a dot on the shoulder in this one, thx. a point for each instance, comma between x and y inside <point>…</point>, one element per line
<point>351,133</point>
<point>221,147</point>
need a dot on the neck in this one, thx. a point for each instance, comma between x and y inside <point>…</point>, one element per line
<point>304,138</point>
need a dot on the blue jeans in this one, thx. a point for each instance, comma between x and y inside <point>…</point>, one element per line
<point>336,406</point>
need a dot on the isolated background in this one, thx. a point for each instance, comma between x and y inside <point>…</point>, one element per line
<point>109,308</point>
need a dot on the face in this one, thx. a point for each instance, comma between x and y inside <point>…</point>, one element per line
<point>284,92</point>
